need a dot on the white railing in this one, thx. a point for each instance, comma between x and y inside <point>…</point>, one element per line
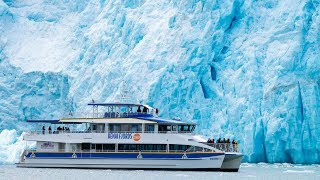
<point>103,115</point>
<point>46,132</point>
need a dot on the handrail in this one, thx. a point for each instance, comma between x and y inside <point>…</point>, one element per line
<point>105,114</point>
<point>94,151</point>
<point>46,132</point>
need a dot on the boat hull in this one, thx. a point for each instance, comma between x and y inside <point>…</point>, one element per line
<point>178,164</point>
<point>231,162</point>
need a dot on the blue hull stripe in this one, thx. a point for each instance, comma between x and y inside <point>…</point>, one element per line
<point>122,155</point>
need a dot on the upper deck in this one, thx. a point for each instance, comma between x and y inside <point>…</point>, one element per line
<point>115,117</point>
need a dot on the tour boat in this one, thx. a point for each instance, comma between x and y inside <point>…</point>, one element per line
<point>125,136</point>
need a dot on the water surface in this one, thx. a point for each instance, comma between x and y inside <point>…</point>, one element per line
<point>247,171</point>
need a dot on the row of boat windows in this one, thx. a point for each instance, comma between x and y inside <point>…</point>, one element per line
<point>134,147</point>
<point>148,127</point>
<point>175,128</point>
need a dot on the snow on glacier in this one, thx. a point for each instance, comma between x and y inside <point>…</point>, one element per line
<point>247,70</point>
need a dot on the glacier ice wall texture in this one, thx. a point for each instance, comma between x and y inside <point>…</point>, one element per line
<point>248,70</point>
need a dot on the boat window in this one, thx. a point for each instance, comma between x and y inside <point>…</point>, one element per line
<point>85,146</point>
<point>174,128</point>
<point>125,127</point>
<point>149,127</point>
<point>98,147</point>
<point>196,148</point>
<point>177,147</point>
<point>169,128</point>
<point>114,127</point>
<point>136,127</point>
<point>93,146</point>
<point>100,127</point>
<point>162,128</point>
<point>109,147</point>
<point>185,128</point>
<point>61,146</point>
<point>141,147</point>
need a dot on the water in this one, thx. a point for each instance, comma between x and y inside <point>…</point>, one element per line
<point>247,171</point>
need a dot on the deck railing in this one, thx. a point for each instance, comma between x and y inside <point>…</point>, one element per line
<point>226,147</point>
<point>47,132</point>
<point>89,115</point>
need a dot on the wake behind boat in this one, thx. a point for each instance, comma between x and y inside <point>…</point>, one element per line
<point>125,136</point>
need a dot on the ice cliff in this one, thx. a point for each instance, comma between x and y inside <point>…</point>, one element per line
<point>248,70</point>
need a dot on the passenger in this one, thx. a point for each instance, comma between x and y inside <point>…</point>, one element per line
<point>145,109</point>
<point>228,145</point>
<point>209,140</point>
<point>43,129</point>
<point>213,141</point>
<point>219,140</point>
<point>236,146</point>
<point>49,129</point>
<point>157,111</point>
<point>224,140</point>
<point>139,110</point>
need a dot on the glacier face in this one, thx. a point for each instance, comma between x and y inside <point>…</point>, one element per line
<point>247,70</point>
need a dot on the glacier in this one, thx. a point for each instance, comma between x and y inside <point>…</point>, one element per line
<point>247,70</point>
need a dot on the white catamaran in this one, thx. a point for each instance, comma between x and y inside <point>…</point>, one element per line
<point>125,136</point>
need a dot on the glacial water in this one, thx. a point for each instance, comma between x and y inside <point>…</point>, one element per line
<point>247,171</point>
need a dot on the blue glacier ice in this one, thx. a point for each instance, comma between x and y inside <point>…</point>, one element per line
<point>248,70</point>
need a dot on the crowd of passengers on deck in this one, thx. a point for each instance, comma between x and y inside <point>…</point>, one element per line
<point>140,110</point>
<point>113,114</point>
<point>59,129</point>
<point>224,144</point>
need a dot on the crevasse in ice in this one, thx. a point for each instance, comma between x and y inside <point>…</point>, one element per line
<point>247,70</point>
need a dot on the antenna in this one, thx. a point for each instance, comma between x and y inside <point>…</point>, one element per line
<point>124,93</point>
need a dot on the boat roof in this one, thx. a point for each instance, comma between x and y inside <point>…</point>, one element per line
<point>55,121</point>
<point>106,120</point>
<point>120,104</point>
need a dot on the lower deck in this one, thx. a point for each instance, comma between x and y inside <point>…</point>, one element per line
<point>150,161</point>
<point>119,155</point>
